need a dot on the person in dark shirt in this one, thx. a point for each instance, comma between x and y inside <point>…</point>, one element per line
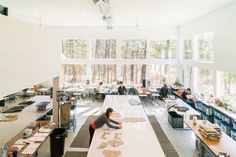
<point>185,93</point>
<point>102,120</point>
<point>185,98</point>
<point>122,90</point>
<point>164,91</point>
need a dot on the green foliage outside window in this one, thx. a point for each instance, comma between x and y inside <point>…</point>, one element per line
<point>163,49</point>
<point>230,83</point>
<point>205,82</point>
<point>74,73</point>
<point>188,49</point>
<point>104,48</point>
<point>133,49</point>
<point>205,47</point>
<point>74,49</point>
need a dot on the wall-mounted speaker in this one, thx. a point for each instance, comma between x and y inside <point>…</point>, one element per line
<point>3,10</point>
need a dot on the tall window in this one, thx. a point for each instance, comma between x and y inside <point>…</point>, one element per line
<point>163,73</point>
<point>205,47</point>
<point>74,73</point>
<point>133,74</point>
<point>103,72</point>
<point>230,83</point>
<point>103,48</point>
<point>229,88</point>
<point>205,82</point>
<point>74,49</point>
<point>163,49</point>
<point>188,49</point>
<point>133,49</point>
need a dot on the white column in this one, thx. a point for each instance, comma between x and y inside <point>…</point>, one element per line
<point>188,77</point>
<point>54,101</point>
<point>215,82</point>
<point>195,79</point>
<point>219,85</point>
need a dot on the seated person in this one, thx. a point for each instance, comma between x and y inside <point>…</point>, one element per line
<point>185,93</point>
<point>211,99</point>
<point>103,119</point>
<point>99,88</point>
<point>122,90</point>
<point>140,90</point>
<point>133,91</point>
<point>186,99</point>
<point>164,91</point>
<point>149,84</point>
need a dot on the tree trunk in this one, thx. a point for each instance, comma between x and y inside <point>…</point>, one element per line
<point>132,73</point>
<point>167,49</point>
<point>74,73</point>
<point>124,74</point>
<point>145,50</point>
<point>136,73</point>
<point>114,77</point>
<point>108,73</point>
<point>143,73</point>
<point>104,73</point>
<point>98,72</point>
<point>63,73</point>
<point>97,48</point>
<point>106,44</point>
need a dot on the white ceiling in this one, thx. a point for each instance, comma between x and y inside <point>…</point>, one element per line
<point>125,12</point>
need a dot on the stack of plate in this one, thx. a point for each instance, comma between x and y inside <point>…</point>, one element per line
<point>209,131</point>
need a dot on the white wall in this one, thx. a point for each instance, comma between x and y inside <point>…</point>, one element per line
<point>28,55</point>
<point>222,23</point>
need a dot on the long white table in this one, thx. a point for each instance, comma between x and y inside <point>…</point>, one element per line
<point>191,111</point>
<point>8,130</point>
<point>139,139</point>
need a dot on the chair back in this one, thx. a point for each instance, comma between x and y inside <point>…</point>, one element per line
<point>133,91</point>
<point>96,91</point>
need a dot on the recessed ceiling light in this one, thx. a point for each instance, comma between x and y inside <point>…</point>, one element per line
<point>36,14</point>
<point>133,14</point>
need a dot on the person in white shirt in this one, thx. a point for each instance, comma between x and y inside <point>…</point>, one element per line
<point>99,89</point>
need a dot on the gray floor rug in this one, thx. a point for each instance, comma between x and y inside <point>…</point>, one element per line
<point>82,138</point>
<point>166,145</point>
<point>76,154</point>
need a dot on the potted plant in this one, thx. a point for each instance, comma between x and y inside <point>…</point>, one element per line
<point>177,83</point>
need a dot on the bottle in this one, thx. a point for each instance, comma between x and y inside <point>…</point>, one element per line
<point>194,120</point>
<point>14,153</point>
